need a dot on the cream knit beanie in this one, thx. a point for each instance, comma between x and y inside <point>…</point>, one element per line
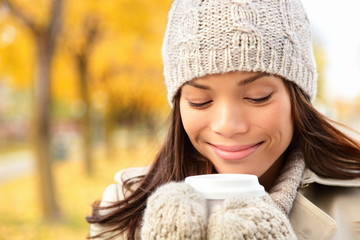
<point>218,36</point>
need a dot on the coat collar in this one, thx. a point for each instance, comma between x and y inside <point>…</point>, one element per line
<point>311,177</point>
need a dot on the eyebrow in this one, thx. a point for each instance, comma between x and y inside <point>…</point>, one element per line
<point>243,82</point>
<point>253,79</point>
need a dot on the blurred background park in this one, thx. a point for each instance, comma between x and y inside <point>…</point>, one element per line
<point>82,96</point>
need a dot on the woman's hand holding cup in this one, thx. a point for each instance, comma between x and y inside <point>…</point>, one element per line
<point>216,206</point>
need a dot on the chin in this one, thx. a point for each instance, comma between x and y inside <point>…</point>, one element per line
<point>233,170</point>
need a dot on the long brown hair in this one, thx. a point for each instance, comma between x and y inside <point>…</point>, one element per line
<point>327,151</point>
<point>176,160</point>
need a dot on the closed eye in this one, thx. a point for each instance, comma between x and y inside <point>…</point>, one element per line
<point>199,105</point>
<point>259,100</point>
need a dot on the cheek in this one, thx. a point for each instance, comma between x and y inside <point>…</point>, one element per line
<point>281,124</point>
<point>275,121</point>
<point>192,121</point>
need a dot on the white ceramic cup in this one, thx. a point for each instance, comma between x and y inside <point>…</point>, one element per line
<point>217,187</point>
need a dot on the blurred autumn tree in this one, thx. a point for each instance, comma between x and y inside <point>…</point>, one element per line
<point>322,101</point>
<point>116,48</point>
<point>320,59</point>
<point>81,54</point>
<point>44,29</point>
<point>107,64</point>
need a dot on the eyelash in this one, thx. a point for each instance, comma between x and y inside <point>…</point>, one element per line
<point>253,100</point>
<point>199,105</point>
<point>260,100</point>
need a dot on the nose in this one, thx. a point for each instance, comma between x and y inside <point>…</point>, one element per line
<point>229,119</point>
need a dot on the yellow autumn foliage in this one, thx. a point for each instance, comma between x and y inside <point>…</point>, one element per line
<point>16,53</point>
<point>37,10</point>
<point>124,63</point>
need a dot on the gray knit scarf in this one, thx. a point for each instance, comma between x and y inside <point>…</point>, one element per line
<point>284,191</point>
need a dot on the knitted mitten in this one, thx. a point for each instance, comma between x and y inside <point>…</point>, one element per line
<point>174,211</point>
<point>249,218</point>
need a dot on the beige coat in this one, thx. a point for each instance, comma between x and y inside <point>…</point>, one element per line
<point>324,209</point>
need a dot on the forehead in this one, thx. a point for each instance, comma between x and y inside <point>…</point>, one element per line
<point>239,78</point>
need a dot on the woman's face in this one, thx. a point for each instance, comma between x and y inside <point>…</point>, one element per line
<point>240,121</point>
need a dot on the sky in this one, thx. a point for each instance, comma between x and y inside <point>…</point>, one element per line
<point>335,25</point>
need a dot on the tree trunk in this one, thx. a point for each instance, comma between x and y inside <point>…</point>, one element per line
<point>42,135</point>
<point>86,118</point>
<point>109,125</point>
<point>90,31</point>
<point>45,40</point>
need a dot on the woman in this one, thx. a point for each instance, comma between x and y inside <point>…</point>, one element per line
<point>240,77</point>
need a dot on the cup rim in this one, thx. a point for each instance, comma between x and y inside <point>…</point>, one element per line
<point>221,186</point>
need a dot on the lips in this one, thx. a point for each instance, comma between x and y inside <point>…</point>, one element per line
<point>237,152</point>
